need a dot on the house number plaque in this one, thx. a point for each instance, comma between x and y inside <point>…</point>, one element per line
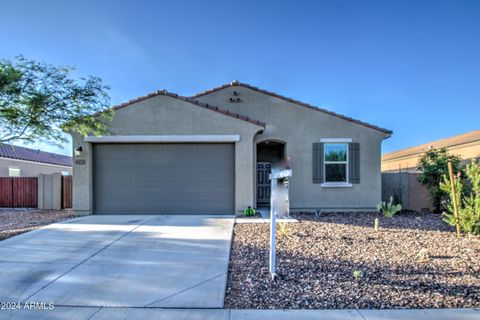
<point>80,161</point>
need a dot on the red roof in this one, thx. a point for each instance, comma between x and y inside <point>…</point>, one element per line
<point>22,153</point>
<point>303,104</point>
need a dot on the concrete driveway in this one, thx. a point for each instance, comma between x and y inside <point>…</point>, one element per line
<point>120,261</point>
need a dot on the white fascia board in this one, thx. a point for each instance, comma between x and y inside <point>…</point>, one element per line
<point>163,138</point>
<point>333,140</point>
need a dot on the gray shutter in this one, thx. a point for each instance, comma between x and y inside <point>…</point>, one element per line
<point>318,162</point>
<point>354,162</point>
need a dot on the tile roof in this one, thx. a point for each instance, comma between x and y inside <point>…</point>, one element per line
<point>193,102</point>
<point>303,104</point>
<point>468,137</point>
<point>22,153</point>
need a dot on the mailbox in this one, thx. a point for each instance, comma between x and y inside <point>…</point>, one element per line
<point>279,207</point>
<point>279,203</point>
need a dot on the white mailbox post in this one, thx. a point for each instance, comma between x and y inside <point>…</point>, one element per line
<point>279,207</point>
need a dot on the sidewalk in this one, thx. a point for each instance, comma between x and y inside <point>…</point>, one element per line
<point>96,313</point>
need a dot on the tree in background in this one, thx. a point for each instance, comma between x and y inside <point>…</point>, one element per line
<point>468,198</point>
<point>39,101</point>
<point>433,165</point>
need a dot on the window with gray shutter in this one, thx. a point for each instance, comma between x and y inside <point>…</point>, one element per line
<point>354,162</point>
<point>318,162</point>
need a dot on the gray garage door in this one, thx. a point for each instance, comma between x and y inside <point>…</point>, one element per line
<point>164,178</point>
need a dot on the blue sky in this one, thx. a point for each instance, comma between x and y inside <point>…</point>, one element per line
<point>409,66</point>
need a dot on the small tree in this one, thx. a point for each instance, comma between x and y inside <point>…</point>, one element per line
<point>433,165</point>
<point>39,101</point>
<point>468,199</point>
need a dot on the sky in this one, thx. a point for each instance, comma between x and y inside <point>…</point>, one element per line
<point>409,66</point>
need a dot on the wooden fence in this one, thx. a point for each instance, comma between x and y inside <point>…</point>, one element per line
<point>18,192</point>
<point>66,192</point>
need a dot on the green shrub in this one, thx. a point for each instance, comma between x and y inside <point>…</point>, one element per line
<point>468,199</point>
<point>389,209</point>
<point>357,274</point>
<point>433,165</point>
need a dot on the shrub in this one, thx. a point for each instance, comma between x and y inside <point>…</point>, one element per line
<point>357,274</point>
<point>433,165</point>
<point>468,199</point>
<point>389,209</point>
<point>423,254</point>
<point>284,230</point>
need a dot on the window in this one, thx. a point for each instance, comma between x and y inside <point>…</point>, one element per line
<point>13,172</point>
<point>336,161</point>
<point>65,173</point>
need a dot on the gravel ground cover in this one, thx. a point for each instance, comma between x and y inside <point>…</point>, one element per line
<point>338,260</point>
<point>13,222</point>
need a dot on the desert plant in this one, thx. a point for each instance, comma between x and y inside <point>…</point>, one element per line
<point>468,199</point>
<point>389,209</point>
<point>423,254</point>
<point>357,274</point>
<point>284,230</point>
<point>376,224</point>
<point>249,212</point>
<point>397,195</point>
<point>433,165</point>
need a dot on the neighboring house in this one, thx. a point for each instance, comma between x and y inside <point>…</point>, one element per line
<point>211,154</point>
<point>18,161</point>
<point>466,146</point>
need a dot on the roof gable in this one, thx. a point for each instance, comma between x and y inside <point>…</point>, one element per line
<point>297,102</point>
<point>193,102</point>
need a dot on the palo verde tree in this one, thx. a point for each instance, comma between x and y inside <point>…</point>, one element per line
<point>433,165</point>
<point>39,101</point>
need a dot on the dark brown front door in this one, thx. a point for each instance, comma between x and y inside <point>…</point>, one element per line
<point>263,182</point>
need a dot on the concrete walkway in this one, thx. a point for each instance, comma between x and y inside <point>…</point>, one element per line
<point>120,261</point>
<point>74,313</point>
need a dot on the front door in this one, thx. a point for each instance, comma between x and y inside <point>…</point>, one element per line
<point>263,182</point>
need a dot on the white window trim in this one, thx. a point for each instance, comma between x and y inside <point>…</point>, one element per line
<point>336,140</point>
<point>339,184</point>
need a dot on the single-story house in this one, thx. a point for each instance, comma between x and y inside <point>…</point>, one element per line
<point>16,161</point>
<point>211,154</point>
<point>466,146</point>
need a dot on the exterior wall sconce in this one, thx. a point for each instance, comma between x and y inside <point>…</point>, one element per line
<point>78,151</point>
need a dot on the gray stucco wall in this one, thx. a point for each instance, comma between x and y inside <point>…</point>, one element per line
<point>164,115</point>
<point>300,127</point>
<point>30,169</point>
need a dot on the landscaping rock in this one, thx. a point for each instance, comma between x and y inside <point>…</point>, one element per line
<point>338,260</point>
<point>13,222</point>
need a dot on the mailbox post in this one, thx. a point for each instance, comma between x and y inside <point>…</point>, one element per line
<point>279,207</point>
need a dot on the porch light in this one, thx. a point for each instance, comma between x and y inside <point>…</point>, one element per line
<point>78,151</point>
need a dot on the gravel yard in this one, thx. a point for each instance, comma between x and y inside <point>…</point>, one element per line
<point>13,222</point>
<point>339,261</point>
